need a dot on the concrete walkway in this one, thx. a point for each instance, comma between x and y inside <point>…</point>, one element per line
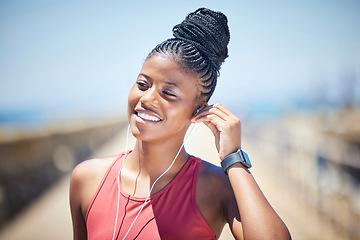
<point>49,216</point>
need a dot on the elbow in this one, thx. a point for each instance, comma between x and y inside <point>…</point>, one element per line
<point>282,234</point>
<point>285,236</point>
<point>279,233</point>
<point>277,236</point>
<point>286,233</point>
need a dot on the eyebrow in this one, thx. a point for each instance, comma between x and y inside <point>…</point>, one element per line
<point>167,82</point>
<point>172,84</point>
<point>146,76</point>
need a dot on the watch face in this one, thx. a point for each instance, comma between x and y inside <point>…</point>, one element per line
<point>247,162</point>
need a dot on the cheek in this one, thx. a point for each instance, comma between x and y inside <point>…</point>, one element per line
<point>132,99</point>
<point>182,113</point>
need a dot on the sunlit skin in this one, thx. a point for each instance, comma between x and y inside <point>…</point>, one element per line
<point>161,106</point>
<point>164,91</point>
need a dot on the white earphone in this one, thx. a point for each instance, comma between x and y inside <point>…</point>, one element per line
<point>148,196</point>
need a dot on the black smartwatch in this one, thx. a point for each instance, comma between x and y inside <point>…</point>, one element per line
<point>238,157</point>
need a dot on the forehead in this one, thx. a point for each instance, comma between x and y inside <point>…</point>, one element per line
<point>165,69</point>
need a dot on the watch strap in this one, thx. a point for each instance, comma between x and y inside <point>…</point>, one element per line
<point>233,158</point>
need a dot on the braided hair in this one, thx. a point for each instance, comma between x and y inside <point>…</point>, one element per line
<point>200,46</point>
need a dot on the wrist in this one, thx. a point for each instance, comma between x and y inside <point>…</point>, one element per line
<point>239,156</point>
<point>236,168</point>
<point>224,155</point>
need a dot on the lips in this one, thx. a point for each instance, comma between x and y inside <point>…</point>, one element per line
<point>147,115</point>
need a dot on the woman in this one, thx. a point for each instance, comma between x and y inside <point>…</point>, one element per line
<point>123,197</point>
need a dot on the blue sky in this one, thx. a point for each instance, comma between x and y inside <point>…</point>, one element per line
<point>65,58</point>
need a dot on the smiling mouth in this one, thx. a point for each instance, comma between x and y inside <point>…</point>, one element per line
<point>148,117</point>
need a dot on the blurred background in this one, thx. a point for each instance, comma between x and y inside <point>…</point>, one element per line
<point>292,77</point>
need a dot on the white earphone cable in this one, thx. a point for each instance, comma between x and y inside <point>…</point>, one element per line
<point>148,196</point>
<point>118,181</point>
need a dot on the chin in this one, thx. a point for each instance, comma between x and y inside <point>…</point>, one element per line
<point>141,133</point>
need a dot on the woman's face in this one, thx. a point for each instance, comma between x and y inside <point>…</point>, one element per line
<point>162,101</point>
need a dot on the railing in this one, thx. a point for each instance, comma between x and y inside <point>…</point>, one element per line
<point>323,171</point>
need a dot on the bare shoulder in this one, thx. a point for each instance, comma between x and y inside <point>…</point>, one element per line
<point>91,168</point>
<point>86,178</point>
<point>214,196</point>
<point>214,176</point>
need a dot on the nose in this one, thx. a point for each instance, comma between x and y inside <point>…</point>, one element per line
<point>150,98</point>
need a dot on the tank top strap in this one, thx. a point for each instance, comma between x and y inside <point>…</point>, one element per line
<point>119,157</point>
<point>171,213</point>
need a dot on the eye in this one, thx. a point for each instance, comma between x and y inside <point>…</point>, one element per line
<point>143,86</point>
<point>167,92</point>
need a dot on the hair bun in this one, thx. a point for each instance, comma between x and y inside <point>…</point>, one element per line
<point>208,31</point>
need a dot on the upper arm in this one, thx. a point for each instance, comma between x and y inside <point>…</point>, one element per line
<point>76,187</point>
<point>85,180</point>
<point>230,208</point>
<point>232,216</point>
<point>218,200</point>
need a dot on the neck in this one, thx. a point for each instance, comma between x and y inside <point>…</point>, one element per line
<point>153,158</point>
<point>149,160</point>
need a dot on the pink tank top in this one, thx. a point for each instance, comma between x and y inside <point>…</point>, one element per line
<point>171,213</point>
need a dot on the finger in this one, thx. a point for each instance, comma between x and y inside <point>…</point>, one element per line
<point>210,110</point>
<point>222,108</point>
<point>212,127</point>
<point>203,110</point>
<point>210,114</point>
<point>218,122</point>
<point>207,117</point>
<point>219,113</point>
<point>230,116</point>
<point>202,113</point>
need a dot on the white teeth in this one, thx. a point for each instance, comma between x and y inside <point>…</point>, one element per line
<point>148,117</point>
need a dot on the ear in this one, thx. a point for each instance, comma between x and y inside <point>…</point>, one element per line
<point>204,104</point>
